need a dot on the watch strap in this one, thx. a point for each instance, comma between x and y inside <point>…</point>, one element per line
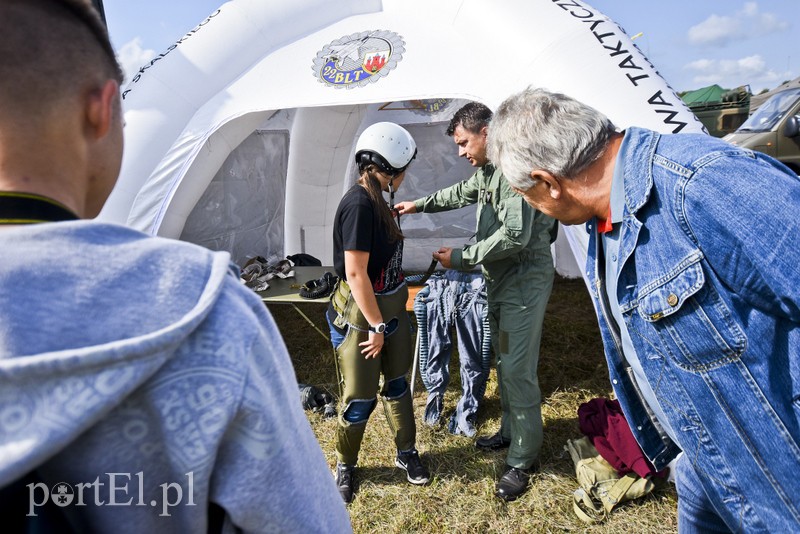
<point>379,328</point>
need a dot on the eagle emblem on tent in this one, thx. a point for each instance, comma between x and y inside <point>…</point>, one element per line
<point>358,59</point>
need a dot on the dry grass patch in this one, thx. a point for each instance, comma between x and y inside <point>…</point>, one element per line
<point>460,498</point>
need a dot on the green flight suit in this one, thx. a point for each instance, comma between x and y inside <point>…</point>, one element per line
<point>513,248</point>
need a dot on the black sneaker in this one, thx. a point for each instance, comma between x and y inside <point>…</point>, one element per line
<point>345,481</point>
<point>416,473</point>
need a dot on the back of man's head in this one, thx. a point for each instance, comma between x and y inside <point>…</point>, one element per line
<point>50,51</point>
<point>472,117</point>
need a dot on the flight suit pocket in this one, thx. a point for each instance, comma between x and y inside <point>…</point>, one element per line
<point>510,214</point>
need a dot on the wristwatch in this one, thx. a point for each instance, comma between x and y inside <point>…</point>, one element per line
<point>378,328</point>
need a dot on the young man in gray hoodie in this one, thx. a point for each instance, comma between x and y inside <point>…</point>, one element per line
<point>142,387</point>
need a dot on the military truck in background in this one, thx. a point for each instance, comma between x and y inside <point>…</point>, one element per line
<point>721,111</point>
<point>774,128</point>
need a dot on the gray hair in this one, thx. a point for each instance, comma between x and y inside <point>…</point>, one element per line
<point>537,129</point>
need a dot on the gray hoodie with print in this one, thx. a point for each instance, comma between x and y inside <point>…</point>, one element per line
<point>141,381</point>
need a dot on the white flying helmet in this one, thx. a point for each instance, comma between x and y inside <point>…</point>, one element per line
<point>387,145</point>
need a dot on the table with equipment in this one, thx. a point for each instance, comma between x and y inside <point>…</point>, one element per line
<point>287,291</point>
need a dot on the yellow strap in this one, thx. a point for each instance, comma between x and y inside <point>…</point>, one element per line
<point>587,510</point>
<point>618,490</point>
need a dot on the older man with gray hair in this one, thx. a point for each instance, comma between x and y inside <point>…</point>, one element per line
<point>692,259</point>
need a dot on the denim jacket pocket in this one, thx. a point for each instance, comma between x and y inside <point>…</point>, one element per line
<point>669,297</point>
<point>685,316</point>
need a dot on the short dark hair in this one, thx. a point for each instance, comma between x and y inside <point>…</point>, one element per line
<point>88,13</point>
<point>50,48</point>
<point>472,117</point>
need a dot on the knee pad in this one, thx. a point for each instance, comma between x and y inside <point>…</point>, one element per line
<point>396,388</point>
<point>358,411</point>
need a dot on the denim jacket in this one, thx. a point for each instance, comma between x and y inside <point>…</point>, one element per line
<point>709,290</point>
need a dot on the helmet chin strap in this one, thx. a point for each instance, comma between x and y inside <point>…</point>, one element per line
<point>391,201</point>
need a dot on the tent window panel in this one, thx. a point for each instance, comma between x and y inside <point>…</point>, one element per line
<point>242,210</point>
<point>437,165</point>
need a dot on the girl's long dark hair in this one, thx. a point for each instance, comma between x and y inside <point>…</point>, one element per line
<point>368,181</point>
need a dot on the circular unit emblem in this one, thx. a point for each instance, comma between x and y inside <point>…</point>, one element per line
<point>358,59</point>
<point>428,106</point>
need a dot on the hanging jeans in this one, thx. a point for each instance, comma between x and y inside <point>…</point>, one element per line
<point>454,300</point>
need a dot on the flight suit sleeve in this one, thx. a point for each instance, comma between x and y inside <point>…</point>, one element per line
<point>516,225</point>
<point>456,196</point>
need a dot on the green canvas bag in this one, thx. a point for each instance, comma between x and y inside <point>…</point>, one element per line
<point>601,486</point>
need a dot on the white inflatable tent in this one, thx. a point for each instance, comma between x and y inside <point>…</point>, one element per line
<point>240,136</point>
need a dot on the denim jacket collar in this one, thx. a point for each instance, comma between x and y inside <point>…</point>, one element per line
<point>635,156</point>
<point>639,149</point>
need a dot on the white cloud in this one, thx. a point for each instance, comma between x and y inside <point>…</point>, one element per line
<point>749,22</point>
<point>714,30</point>
<point>132,56</point>
<point>733,72</point>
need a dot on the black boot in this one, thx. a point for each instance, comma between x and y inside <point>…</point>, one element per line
<point>493,443</point>
<point>513,483</point>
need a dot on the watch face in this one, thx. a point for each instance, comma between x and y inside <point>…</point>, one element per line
<point>379,328</point>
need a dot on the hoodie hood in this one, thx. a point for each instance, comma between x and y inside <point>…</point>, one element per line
<point>89,311</point>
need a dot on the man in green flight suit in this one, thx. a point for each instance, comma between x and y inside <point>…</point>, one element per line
<point>513,248</point>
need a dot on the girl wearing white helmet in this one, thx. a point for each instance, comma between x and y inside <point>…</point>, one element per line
<point>370,327</point>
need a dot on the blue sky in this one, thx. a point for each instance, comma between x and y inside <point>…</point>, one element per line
<point>693,43</point>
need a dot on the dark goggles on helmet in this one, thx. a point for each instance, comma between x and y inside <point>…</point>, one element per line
<point>365,158</point>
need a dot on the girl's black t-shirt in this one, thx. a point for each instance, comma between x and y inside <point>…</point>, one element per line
<point>358,226</point>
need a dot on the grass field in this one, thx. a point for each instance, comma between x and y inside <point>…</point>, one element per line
<point>460,497</point>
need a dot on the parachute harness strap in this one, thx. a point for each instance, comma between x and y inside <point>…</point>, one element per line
<point>391,203</point>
